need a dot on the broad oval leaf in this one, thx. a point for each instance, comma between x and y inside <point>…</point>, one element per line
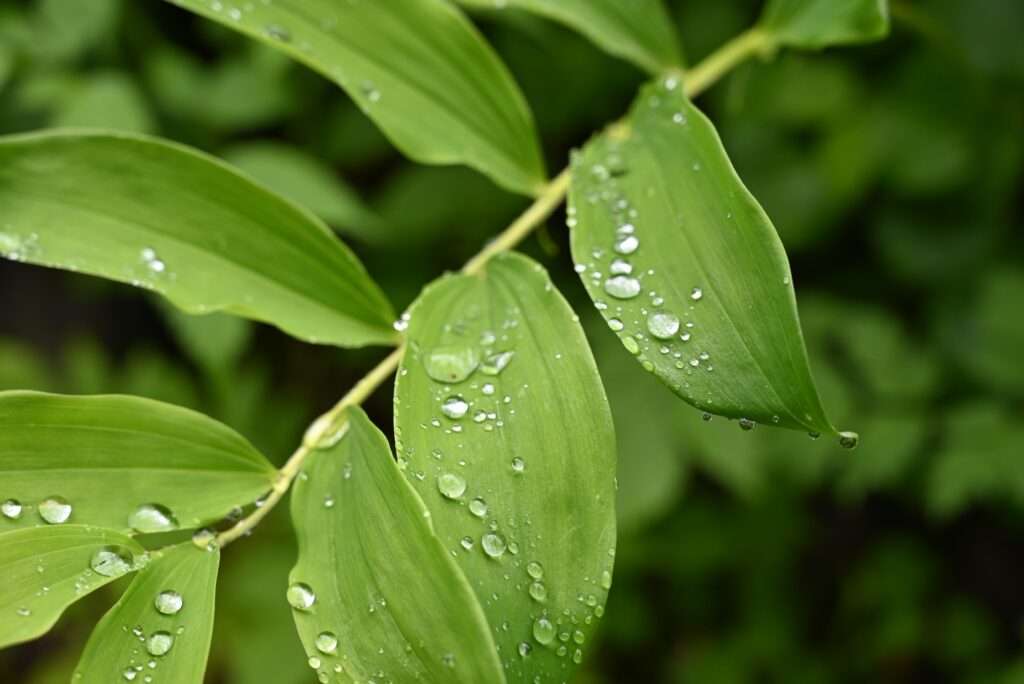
<point>167,218</point>
<point>122,463</point>
<point>503,425</point>
<point>686,267</point>
<point>374,591</point>
<point>418,68</point>
<point>161,627</point>
<point>820,23</point>
<point>46,569</point>
<point>638,30</point>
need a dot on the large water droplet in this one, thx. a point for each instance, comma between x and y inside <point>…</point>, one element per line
<point>622,287</point>
<point>543,631</point>
<point>327,643</point>
<point>451,364</point>
<point>454,407</point>
<point>111,561</point>
<point>151,518</point>
<point>55,510</point>
<point>493,544</point>
<point>159,643</point>
<point>11,509</point>
<point>664,326</point>
<point>301,596</point>
<point>452,486</point>
<point>168,602</point>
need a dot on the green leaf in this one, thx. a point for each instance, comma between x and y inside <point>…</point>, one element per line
<point>107,456</point>
<point>111,100</point>
<point>819,23</point>
<point>149,625</point>
<point>402,57</point>
<point>387,597</point>
<point>506,433</point>
<point>169,219</point>
<point>686,267</point>
<point>46,569</point>
<point>301,177</point>
<point>640,31</point>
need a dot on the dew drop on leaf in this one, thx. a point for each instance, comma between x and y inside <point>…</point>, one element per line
<point>495,363</point>
<point>535,570</point>
<point>11,509</point>
<point>55,510</point>
<point>454,407</point>
<point>111,561</point>
<point>327,643</point>
<point>301,596</point>
<point>663,326</point>
<point>159,643</point>
<point>168,602</point>
<point>493,544</point>
<point>622,287</point>
<point>150,518</point>
<point>450,485</point>
<point>450,364</point>
<point>543,631</point>
<point>849,440</point>
<point>696,294</point>
<point>478,507</point>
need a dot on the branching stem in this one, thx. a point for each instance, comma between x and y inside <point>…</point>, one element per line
<point>695,81</point>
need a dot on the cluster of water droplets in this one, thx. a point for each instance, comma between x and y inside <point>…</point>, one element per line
<point>144,660</point>
<point>52,510</point>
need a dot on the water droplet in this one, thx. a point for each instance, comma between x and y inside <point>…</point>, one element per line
<point>631,345</point>
<point>111,561</point>
<point>664,326</point>
<point>451,365</point>
<point>849,440</point>
<point>615,324</point>
<point>621,267</point>
<point>54,510</point>
<point>747,424</point>
<point>454,407</point>
<point>448,659</point>
<point>478,507</point>
<point>278,33</point>
<point>11,509</point>
<point>487,389</point>
<point>518,465</point>
<point>627,244</point>
<point>814,435</point>
<point>129,674</point>
<point>301,596</point>
<point>205,539</point>
<point>524,649</point>
<point>150,518</point>
<point>452,486</point>
<point>543,631</point>
<point>622,287</point>
<point>538,592</point>
<point>159,643</point>
<point>467,543</point>
<point>327,643</point>
<point>535,570</point>
<point>493,544</point>
<point>314,662</point>
<point>697,294</point>
<point>168,602</point>
<point>495,363</point>
<point>24,612</point>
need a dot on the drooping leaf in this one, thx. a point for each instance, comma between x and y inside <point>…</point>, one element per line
<point>504,426</point>
<point>302,178</point>
<point>164,217</point>
<point>161,627</point>
<point>46,569</point>
<point>408,56</point>
<point>121,462</point>
<point>820,23</point>
<point>640,31</point>
<point>374,590</point>
<point>687,269</point>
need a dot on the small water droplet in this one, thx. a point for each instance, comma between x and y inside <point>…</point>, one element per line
<point>159,643</point>
<point>478,507</point>
<point>538,592</point>
<point>627,244</point>
<point>616,325</point>
<point>747,424</point>
<point>697,294</point>
<point>168,602</point>
<point>524,649</point>
<point>278,32</point>
<point>535,570</point>
<point>493,544</point>
<point>11,509</point>
<point>55,510</point>
<point>454,407</point>
<point>450,485</point>
<point>518,465</point>
<point>849,440</point>
<point>151,518</point>
<point>327,643</point>
<point>467,543</point>
<point>301,596</point>
<point>543,631</point>
<point>205,539</point>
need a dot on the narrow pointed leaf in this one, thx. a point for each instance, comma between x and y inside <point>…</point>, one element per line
<point>819,23</point>
<point>121,462</point>
<point>687,269</point>
<point>46,569</point>
<point>640,31</point>
<point>507,435</point>
<point>161,216</point>
<point>418,68</point>
<point>161,627</point>
<point>374,590</point>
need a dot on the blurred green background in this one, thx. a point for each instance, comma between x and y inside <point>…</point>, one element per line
<point>894,175</point>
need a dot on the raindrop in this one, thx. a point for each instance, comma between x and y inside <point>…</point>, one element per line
<point>621,267</point>
<point>300,596</point>
<point>454,407</point>
<point>11,509</point>
<point>538,592</point>
<point>664,326</point>
<point>55,510</point>
<point>278,33</point>
<point>631,345</point>
<point>487,389</point>
<point>111,561</point>
<point>814,435</point>
<point>495,363</point>
<point>524,649</point>
<point>129,674</point>
<point>451,364</point>
<point>150,518</point>
<point>747,424</point>
<point>616,325</point>
<point>627,244</point>
<point>849,440</point>
<point>493,544</point>
<point>606,579</point>
<point>452,486</point>
<point>543,631</point>
<point>159,643</point>
<point>622,287</point>
<point>205,539</point>
<point>168,602</point>
<point>518,465</point>
<point>327,643</point>
<point>535,570</point>
<point>697,294</point>
<point>478,507</point>
<point>467,543</point>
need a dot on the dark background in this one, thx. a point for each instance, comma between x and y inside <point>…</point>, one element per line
<point>893,173</point>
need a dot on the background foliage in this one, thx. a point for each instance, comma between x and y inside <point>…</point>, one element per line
<point>892,173</point>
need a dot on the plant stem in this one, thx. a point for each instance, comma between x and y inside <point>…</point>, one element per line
<point>326,427</point>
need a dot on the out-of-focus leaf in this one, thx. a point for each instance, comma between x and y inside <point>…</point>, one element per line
<point>165,617</point>
<point>302,178</point>
<point>819,23</point>
<point>110,101</point>
<point>687,269</point>
<point>988,339</point>
<point>886,455</point>
<point>46,569</point>
<point>21,366</point>
<point>406,56</point>
<point>172,220</point>
<point>122,463</point>
<point>370,605</point>
<point>504,429</point>
<point>214,341</point>
<point>66,29</point>
<point>638,30</point>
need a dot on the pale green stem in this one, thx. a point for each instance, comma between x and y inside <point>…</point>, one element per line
<point>695,81</point>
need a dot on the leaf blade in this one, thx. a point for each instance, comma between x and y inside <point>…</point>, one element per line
<point>541,462</point>
<point>409,55</point>
<point>57,558</point>
<point>416,596</point>
<point>639,32</point>
<point>184,569</point>
<point>139,210</point>
<point>814,24</point>
<point>691,275</point>
<point>109,455</point>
